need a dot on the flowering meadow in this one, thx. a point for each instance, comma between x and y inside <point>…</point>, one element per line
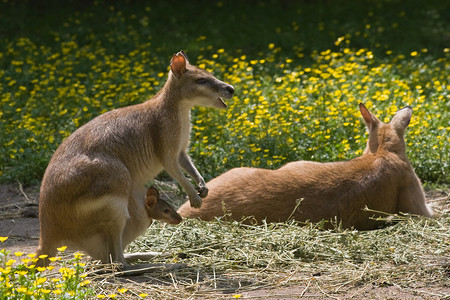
<point>291,102</point>
<point>299,68</point>
<point>21,279</point>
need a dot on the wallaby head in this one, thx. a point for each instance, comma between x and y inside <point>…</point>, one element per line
<point>388,137</point>
<point>197,86</point>
<point>159,209</point>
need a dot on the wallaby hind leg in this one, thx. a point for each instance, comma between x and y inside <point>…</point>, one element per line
<point>147,268</point>
<point>106,247</point>
<point>133,257</point>
<point>44,248</point>
<point>412,200</point>
<point>105,220</point>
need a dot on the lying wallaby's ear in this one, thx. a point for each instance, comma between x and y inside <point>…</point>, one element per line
<point>178,64</point>
<point>402,118</point>
<point>367,116</point>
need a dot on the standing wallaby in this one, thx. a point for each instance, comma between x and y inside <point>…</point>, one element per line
<point>92,194</point>
<point>381,179</point>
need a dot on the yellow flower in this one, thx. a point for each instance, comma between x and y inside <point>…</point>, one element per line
<point>62,249</point>
<point>86,282</point>
<point>10,262</point>
<point>53,259</point>
<point>40,280</point>
<point>236,296</point>
<point>45,291</point>
<point>21,289</point>
<point>122,290</point>
<point>3,238</point>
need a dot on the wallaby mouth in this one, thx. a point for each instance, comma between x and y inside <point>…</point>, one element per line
<point>221,103</point>
<point>176,222</point>
<point>227,94</point>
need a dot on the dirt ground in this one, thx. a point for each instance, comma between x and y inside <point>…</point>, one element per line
<point>19,222</point>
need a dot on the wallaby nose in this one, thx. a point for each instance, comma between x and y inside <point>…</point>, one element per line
<point>230,89</point>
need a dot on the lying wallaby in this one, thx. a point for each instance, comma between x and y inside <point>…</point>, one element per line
<point>93,192</point>
<point>381,179</point>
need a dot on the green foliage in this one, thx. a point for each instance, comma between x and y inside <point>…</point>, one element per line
<point>299,70</point>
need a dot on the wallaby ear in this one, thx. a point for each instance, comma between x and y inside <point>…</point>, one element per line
<point>402,118</point>
<point>152,198</point>
<point>152,192</point>
<point>185,56</point>
<point>150,202</point>
<point>367,116</point>
<point>178,64</point>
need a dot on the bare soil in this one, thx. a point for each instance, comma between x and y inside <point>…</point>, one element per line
<point>19,222</point>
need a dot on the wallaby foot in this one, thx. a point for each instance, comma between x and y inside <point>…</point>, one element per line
<point>132,257</point>
<point>195,201</point>
<point>133,270</point>
<point>202,190</point>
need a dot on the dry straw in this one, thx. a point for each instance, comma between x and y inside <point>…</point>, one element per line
<point>226,259</point>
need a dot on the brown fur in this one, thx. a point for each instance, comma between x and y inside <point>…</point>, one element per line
<point>159,209</point>
<point>92,194</point>
<point>381,179</point>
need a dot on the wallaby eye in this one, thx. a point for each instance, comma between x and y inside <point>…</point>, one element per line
<point>166,211</point>
<point>201,81</point>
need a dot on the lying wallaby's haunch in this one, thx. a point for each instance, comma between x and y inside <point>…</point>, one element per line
<point>381,179</point>
<point>92,194</point>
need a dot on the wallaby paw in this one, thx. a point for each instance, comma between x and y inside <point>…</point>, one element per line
<point>196,202</point>
<point>202,191</point>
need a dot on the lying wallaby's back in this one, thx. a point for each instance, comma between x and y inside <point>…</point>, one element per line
<point>381,179</point>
